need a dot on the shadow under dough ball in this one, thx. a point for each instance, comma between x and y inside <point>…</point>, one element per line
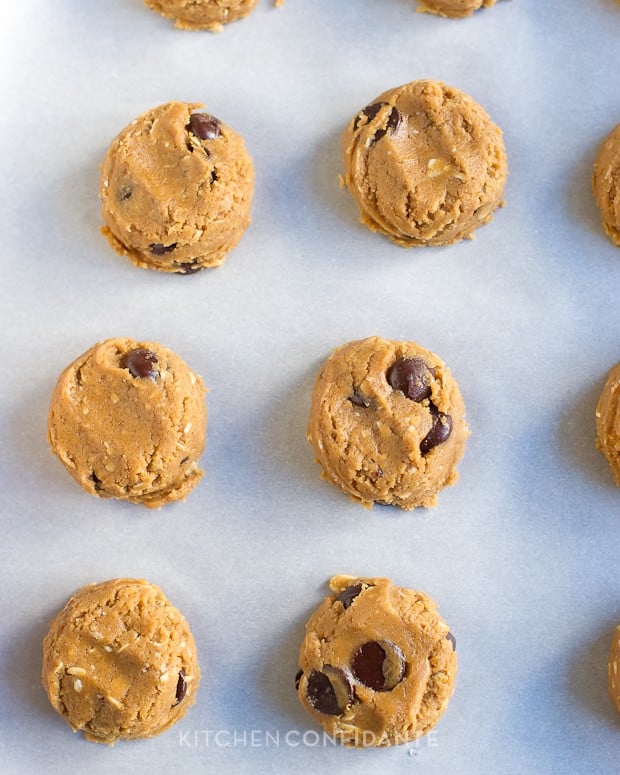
<point>176,189</point>
<point>454,9</point>
<point>425,164</point>
<point>605,184</point>
<point>119,662</point>
<point>128,420</point>
<point>387,423</point>
<point>377,665</point>
<point>202,14</point>
<point>608,422</point>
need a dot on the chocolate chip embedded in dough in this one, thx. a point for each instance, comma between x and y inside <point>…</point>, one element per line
<point>379,666</point>
<point>157,249</point>
<point>369,112</point>
<point>181,687</point>
<point>189,267</point>
<point>329,691</point>
<point>440,430</point>
<point>298,676</point>
<point>204,126</point>
<point>141,363</point>
<point>452,640</point>
<point>412,377</point>
<point>392,125</point>
<point>348,595</point>
<point>124,193</point>
<point>357,398</point>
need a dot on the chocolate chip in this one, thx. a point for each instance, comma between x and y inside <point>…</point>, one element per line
<point>124,193</point>
<point>189,267</point>
<point>96,481</point>
<point>379,666</point>
<point>298,678</point>
<point>369,112</point>
<point>181,687</point>
<point>412,377</point>
<point>359,399</point>
<point>379,472</point>
<point>204,126</point>
<point>141,363</point>
<point>440,430</point>
<point>392,125</point>
<point>452,640</point>
<point>157,249</point>
<point>329,691</point>
<point>348,595</point>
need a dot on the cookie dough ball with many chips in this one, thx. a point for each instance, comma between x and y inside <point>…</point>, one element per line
<point>176,189</point>
<point>202,14</point>
<point>605,186</point>
<point>119,662</point>
<point>425,164</point>
<point>455,9</point>
<point>387,423</point>
<point>128,420</point>
<point>608,422</point>
<point>377,664</point>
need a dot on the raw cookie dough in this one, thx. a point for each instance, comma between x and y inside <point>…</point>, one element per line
<point>605,183</point>
<point>119,662</point>
<point>202,14</point>
<point>176,188</point>
<point>454,9</point>
<point>128,420</point>
<point>425,164</point>
<point>608,422</point>
<point>613,669</point>
<point>387,423</point>
<point>378,663</point>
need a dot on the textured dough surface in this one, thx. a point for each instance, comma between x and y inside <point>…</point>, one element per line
<point>605,184</point>
<point>202,14</point>
<point>425,164</point>
<point>455,9</point>
<point>134,438</point>
<point>608,422</point>
<point>395,616</point>
<point>373,452</point>
<point>119,662</point>
<point>613,669</point>
<point>172,201</point>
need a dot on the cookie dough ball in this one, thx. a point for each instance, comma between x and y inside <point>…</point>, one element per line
<point>425,164</point>
<point>454,9</point>
<point>202,14</point>
<point>128,420</point>
<point>119,662</point>
<point>378,663</point>
<point>604,184</point>
<point>608,422</point>
<point>176,188</point>
<point>387,423</point>
<point>613,669</point>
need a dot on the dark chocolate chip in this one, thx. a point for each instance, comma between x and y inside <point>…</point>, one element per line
<point>359,399</point>
<point>189,267</point>
<point>96,481</point>
<point>213,175</point>
<point>204,126</point>
<point>181,687</point>
<point>124,193</point>
<point>329,691</point>
<point>348,595</point>
<point>369,112</point>
<point>298,678</point>
<point>379,472</point>
<point>440,430</point>
<point>452,640</point>
<point>141,363</point>
<point>379,666</point>
<point>412,377</point>
<point>157,249</point>
<point>392,125</point>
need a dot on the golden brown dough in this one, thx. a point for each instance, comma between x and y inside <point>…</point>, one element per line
<point>608,422</point>
<point>377,664</point>
<point>119,662</point>
<point>425,164</point>
<point>202,14</point>
<point>605,184</point>
<point>454,9</point>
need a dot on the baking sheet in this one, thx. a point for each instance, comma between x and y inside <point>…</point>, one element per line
<point>521,555</point>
